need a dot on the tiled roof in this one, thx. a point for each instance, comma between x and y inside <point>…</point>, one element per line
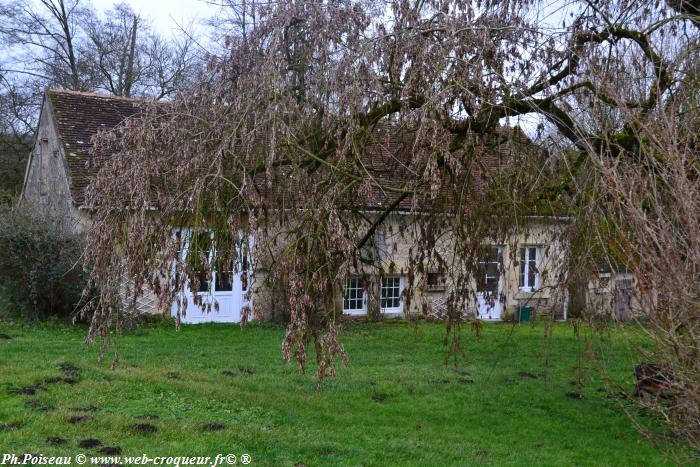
<point>79,116</point>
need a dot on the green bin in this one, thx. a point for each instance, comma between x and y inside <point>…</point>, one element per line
<point>525,314</point>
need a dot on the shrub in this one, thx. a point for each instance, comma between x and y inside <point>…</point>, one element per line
<point>40,265</point>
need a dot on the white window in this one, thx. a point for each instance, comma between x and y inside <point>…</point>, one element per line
<point>223,278</point>
<point>245,273</point>
<point>390,294</point>
<point>490,266</point>
<point>354,298</point>
<point>529,268</point>
<point>436,281</point>
<point>195,248</point>
<point>198,250</point>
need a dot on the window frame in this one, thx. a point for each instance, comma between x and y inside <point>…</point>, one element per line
<point>185,237</point>
<point>483,286</point>
<point>185,234</point>
<point>524,273</point>
<point>346,299</point>
<point>399,297</point>
<point>435,281</point>
<point>215,279</point>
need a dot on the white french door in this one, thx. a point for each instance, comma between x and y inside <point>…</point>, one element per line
<point>223,297</point>
<point>489,285</point>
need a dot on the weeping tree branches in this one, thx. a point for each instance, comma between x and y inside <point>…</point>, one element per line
<point>327,120</point>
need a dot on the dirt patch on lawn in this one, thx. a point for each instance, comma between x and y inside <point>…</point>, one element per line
<point>87,408</point>
<point>144,428</point>
<point>173,375</point>
<point>60,380</point>
<point>75,419</point>
<point>69,370</point>
<point>70,376</point>
<point>39,406</point>
<point>113,450</point>
<point>10,426</point>
<point>26,390</point>
<point>89,443</point>
<point>56,441</point>
<point>213,427</point>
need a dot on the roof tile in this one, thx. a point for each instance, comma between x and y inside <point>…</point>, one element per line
<point>79,116</point>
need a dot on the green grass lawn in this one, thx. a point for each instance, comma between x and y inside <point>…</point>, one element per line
<point>396,404</point>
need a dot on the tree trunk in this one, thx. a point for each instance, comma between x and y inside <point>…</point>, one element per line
<point>129,75</point>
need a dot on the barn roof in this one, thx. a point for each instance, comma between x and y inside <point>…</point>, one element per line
<point>79,116</point>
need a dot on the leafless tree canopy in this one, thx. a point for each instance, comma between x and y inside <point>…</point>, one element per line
<point>275,143</point>
<point>68,44</point>
<point>131,60</point>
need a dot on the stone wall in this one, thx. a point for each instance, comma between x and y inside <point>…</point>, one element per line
<point>47,186</point>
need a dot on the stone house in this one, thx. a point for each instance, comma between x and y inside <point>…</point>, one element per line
<point>57,176</point>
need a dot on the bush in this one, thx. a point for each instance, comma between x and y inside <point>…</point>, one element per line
<point>40,265</point>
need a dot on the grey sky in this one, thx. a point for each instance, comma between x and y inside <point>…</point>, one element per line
<point>165,15</point>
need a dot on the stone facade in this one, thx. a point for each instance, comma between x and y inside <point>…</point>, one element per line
<point>46,183</point>
<point>430,294</point>
<point>58,173</point>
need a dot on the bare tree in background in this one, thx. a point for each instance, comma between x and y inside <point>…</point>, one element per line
<point>114,43</point>
<point>172,65</point>
<point>43,46</point>
<point>132,61</point>
<point>69,45</point>
<point>47,42</point>
<point>237,19</point>
<point>17,108</point>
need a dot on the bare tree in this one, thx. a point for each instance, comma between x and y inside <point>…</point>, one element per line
<point>172,65</point>
<point>17,106</point>
<point>47,42</point>
<point>132,60</point>
<point>67,44</point>
<point>238,18</point>
<point>114,43</point>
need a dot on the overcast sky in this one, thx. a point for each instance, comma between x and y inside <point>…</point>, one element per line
<point>165,15</point>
